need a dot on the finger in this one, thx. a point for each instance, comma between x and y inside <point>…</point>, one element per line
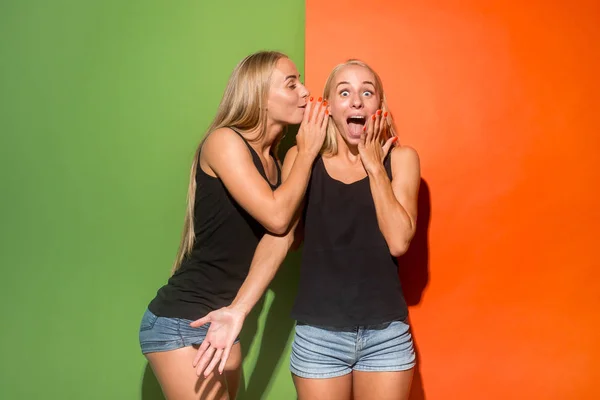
<point>385,123</point>
<point>317,109</point>
<point>215,360</point>
<point>202,321</point>
<point>201,350</point>
<point>370,128</point>
<point>321,113</point>
<point>309,106</point>
<point>204,361</point>
<point>377,127</point>
<point>363,136</point>
<point>325,119</point>
<point>388,144</point>
<point>224,358</point>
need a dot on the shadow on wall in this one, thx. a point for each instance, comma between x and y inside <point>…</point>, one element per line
<point>414,275</point>
<point>150,387</point>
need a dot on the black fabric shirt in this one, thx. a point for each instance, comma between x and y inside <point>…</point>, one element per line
<point>348,276</point>
<point>226,239</point>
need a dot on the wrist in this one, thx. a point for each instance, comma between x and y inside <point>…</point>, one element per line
<point>305,157</point>
<point>376,171</point>
<point>240,308</point>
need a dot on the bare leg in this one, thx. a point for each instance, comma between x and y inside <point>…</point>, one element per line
<point>382,385</point>
<point>339,388</point>
<point>177,377</point>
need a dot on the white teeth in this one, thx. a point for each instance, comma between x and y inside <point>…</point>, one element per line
<point>357,118</point>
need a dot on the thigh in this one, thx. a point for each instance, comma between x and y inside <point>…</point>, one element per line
<point>381,385</point>
<point>233,370</point>
<point>177,377</point>
<point>339,388</point>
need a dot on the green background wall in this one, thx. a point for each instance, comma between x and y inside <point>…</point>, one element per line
<point>102,105</point>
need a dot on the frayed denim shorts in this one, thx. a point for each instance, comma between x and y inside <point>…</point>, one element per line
<point>164,334</point>
<point>326,352</point>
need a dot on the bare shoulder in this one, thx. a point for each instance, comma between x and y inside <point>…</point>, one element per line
<point>405,155</point>
<point>223,142</point>
<point>222,137</point>
<point>405,158</point>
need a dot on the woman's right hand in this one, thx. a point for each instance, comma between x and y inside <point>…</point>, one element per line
<point>313,128</point>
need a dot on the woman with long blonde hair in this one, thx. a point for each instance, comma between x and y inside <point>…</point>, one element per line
<point>235,200</point>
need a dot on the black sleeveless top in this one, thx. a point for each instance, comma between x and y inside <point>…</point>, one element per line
<point>348,276</point>
<point>226,239</point>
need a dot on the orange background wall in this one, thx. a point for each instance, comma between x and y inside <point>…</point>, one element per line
<point>502,102</point>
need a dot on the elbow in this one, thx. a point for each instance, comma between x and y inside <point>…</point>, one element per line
<point>398,250</point>
<point>399,247</point>
<point>277,225</point>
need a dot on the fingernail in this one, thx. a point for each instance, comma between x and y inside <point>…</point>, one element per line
<point>378,112</point>
<point>365,129</point>
<point>311,98</point>
<point>374,118</point>
<point>394,139</point>
<point>385,114</point>
<point>325,103</point>
<point>320,99</point>
<point>326,112</point>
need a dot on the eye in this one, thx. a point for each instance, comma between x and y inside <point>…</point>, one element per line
<point>344,93</point>
<point>293,86</point>
<point>367,93</point>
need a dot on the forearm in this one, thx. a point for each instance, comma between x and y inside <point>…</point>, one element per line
<point>394,221</point>
<point>269,255</point>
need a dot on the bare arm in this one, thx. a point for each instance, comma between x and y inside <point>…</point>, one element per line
<point>225,153</point>
<point>226,323</point>
<point>269,255</point>
<point>396,201</point>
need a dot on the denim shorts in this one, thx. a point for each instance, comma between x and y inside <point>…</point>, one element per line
<point>164,334</point>
<point>326,352</point>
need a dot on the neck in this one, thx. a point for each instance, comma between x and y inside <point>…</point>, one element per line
<point>265,143</point>
<point>347,151</point>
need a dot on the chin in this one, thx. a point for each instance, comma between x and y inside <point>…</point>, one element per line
<point>296,121</point>
<point>352,140</point>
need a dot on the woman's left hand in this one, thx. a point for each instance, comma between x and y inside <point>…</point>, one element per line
<point>372,153</point>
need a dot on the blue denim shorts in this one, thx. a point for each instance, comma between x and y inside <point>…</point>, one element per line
<point>326,352</point>
<point>164,334</point>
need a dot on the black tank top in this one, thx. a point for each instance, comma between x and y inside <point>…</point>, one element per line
<point>348,276</point>
<point>226,239</point>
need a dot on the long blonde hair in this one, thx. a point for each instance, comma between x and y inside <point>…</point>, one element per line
<point>243,107</point>
<point>330,146</point>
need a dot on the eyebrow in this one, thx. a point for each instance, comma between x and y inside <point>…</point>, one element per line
<point>347,83</point>
<point>364,82</point>
<point>291,77</point>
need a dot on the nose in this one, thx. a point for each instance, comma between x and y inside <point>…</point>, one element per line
<point>356,102</point>
<point>303,91</point>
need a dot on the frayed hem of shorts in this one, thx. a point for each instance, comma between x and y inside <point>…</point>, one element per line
<point>398,368</point>
<point>174,345</point>
<point>319,376</point>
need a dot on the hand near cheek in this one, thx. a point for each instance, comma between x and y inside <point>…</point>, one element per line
<point>372,153</point>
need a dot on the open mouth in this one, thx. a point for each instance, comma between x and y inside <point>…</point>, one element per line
<point>356,123</point>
